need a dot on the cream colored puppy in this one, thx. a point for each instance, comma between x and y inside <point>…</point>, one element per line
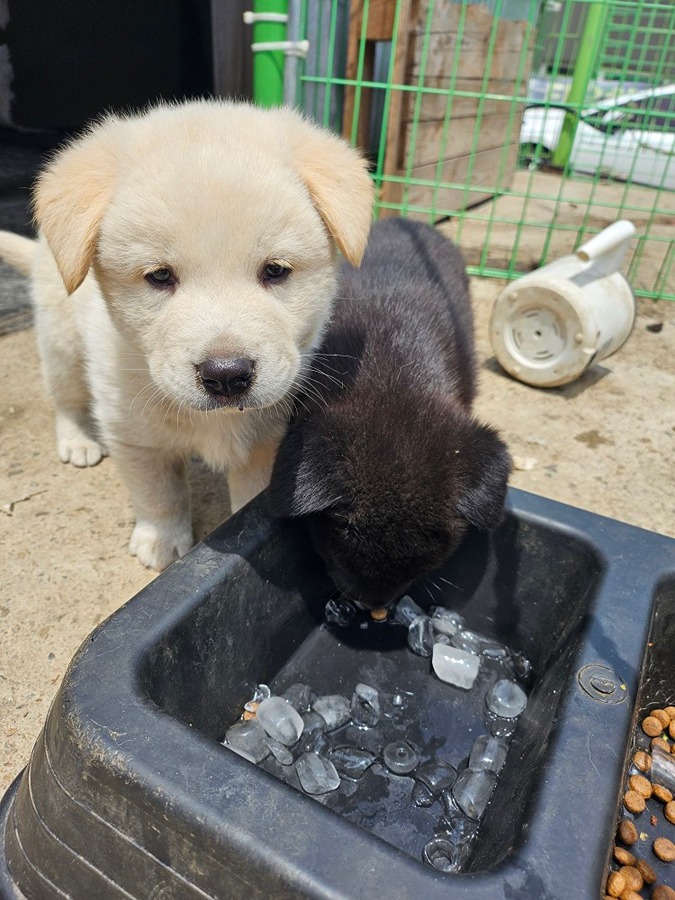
<point>184,271</point>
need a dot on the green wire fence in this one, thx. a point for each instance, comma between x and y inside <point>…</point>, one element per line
<point>522,127</point>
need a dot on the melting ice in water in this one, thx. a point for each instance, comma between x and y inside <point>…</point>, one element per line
<point>330,737</point>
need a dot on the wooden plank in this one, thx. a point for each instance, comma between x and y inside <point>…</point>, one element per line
<point>492,132</point>
<point>474,52</point>
<point>434,107</point>
<point>446,200</point>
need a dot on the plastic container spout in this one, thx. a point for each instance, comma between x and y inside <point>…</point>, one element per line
<point>607,249</point>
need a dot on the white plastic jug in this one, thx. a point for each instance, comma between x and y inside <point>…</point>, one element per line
<point>549,326</point>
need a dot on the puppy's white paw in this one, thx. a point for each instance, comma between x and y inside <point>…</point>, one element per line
<point>156,548</point>
<point>75,446</point>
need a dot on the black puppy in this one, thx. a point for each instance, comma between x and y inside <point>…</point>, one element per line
<point>383,458</point>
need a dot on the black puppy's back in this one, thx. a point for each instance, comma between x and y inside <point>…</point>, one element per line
<point>410,301</point>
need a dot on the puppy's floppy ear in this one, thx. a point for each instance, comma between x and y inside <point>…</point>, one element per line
<point>70,198</point>
<point>297,487</point>
<point>488,462</point>
<point>339,185</point>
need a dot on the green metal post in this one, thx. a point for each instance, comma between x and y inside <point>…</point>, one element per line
<point>268,65</point>
<point>587,60</point>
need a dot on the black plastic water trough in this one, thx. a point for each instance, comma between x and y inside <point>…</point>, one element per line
<point>130,794</point>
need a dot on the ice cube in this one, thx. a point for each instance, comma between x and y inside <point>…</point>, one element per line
<point>315,742</point>
<point>440,854</point>
<point>489,753</point>
<point>262,692</point>
<point>282,754</point>
<point>339,611</point>
<point>421,636</point>
<point>472,791</point>
<point>455,666</point>
<point>506,699</point>
<point>437,775</point>
<point>248,740</point>
<point>313,721</point>
<point>317,775</point>
<point>421,795</point>
<point>458,829</point>
<point>447,621</point>
<point>300,696</point>
<point>442,639</point>
<point>406,611</point>
<point>401,757</point>
<point>351,761</point>
<point>365,706</point>
<point>468,641</point>
<point>335,709</point>
<point>280,720</point>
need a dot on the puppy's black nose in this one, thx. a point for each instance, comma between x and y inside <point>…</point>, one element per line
<point>226,377</point>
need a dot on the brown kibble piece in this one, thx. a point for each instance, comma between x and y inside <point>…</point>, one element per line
<point>648,874</point>
<point>628,833</point>
<point>661,793</point>
<point>664,849</point>
<point>379,615</point>
<point>634,802</point>
<point>247,715</point>
<point>669,811</point>
<point>660,742</point>
<point>653,821</point>
<point>633,878</point>
<point>669,711</point>
<point>662,892</point>
<point>640,785</point>
<point>671,729</point>
<point>662,716</point>
<point>642,760</point>
<point>615,884</point>
<point>651,726</point>
<point>624,857</point>
<point>628,894</point>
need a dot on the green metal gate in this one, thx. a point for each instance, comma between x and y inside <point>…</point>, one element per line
<point>523,127</point>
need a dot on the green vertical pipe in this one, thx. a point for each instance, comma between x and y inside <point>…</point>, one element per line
<point>268,66</point>
<point>587,59</point>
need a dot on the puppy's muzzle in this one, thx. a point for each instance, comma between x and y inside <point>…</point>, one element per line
<point>222,377</point>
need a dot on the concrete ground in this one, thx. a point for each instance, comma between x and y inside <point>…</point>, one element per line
<point>604,443</point>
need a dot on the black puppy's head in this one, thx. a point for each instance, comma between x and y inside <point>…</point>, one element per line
<point>387,502</point>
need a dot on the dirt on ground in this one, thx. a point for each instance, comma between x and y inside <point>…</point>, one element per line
<point>604,443</point>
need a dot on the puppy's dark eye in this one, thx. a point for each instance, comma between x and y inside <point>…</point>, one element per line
<point>163,277</point>
<point>274,272</point>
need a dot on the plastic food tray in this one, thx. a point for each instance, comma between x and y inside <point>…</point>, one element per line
<point>129,793</point>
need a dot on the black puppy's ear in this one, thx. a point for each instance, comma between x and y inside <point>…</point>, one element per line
<point>488,464</point>
<point>297,487</point>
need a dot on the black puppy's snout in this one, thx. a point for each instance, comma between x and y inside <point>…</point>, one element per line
<point>226,377</point>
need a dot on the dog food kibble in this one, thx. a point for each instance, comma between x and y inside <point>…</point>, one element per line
<point>662,716</point>
<point>640,785</point>
<point>664,849</point>
<point>670,711</point>
<point>616,884</point>
<point>634,802</point>
<point>660,742</point>
<point>648,874</point>
<point>671,729</point>
<point>662,892</point>
<point>633,878</point>
<point>624,857</point>
<point>651,726</point>
<point>642,760</point>
<point>669,810</point>
<point>379,615</point>
<point>661,793</point>
<point>628,894</point>
<point>628,833</point>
